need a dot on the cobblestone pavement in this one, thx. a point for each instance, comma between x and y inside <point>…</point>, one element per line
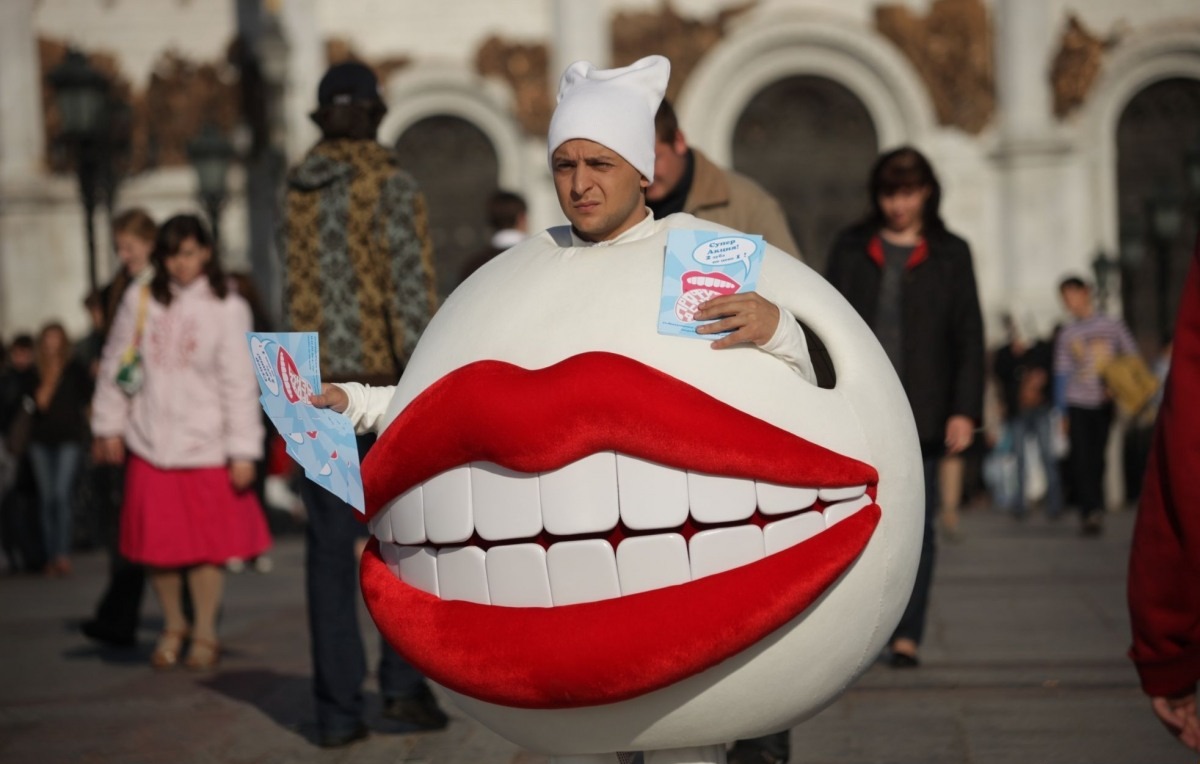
<point>1024,663</point>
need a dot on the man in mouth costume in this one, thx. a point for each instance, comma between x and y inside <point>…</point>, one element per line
<point>601,539</point>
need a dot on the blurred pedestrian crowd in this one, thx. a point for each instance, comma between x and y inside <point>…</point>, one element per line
<point>1070,408</point>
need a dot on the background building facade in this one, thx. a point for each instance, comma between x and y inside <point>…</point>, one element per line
<point>1064,133</point>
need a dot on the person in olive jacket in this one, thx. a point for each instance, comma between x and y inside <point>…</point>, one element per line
<point>912,281</point>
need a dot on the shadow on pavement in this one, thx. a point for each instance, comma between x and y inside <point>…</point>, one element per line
<point>287,701</point>
<point>138,655</point>
<point>284,698</point>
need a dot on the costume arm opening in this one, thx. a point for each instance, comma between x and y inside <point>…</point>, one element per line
<point>788,345</point>
<point>367,405</point>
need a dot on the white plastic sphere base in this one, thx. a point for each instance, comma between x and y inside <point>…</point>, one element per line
<point>708,754</point>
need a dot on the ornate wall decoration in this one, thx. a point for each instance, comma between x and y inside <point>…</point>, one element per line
<point>683,40</point>
<point>951,48</point>
<point>1077,64</point>
<point>525,68</point>
<point>166,113</point>
<point>180,98</point>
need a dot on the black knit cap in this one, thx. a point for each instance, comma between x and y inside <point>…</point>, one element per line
<point>351,80</point>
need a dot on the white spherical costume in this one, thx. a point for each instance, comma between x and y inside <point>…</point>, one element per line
<point>589,316</point>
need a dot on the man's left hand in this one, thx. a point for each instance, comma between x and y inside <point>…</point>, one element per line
<point>960,431</point>
<point>749,316</point>
<point>1178,715</point>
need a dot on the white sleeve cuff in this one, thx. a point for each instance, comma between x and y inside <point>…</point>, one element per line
<point>367,405</point>
<point>788,345</point>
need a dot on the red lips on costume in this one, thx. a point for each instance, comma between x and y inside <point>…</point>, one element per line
<point>598,652</point>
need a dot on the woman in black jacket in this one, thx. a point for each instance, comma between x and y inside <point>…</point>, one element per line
<point>912,281</point>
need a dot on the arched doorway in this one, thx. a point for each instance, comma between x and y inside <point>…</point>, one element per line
<point>457,169</point>
<point>1157,131</point>
<point>811,142</point>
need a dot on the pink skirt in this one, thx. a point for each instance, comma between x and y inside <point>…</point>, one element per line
<point>179,517</point>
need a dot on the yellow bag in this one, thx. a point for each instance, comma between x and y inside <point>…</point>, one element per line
<point>1130,382</point>
<point>130,373</point>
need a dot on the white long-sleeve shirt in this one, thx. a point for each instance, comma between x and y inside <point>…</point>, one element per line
<point>368,404</point>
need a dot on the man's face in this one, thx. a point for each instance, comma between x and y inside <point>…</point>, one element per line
<point>1078,301</point>
<point>670,162</point>
<point>599,192</point>
<point>21,358</point>
<point>133,252</point>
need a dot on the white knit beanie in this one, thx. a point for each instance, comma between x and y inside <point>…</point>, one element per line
<point>613,107</point>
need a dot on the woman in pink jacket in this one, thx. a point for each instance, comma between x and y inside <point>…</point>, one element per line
<point>192,430</point>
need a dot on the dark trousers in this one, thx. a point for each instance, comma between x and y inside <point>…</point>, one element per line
<point>331,576</point>
<point>1036,422</point>
<point>120,606</point>
<point>55,468</point>
<point>912,623</point>
<point>1088,436</point>
<point>22,537</point>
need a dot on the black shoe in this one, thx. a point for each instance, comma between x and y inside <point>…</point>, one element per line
<point>1093,525</point>
<point>903,660</point>
<point>340,739</point>
<point>420,710</point>
<point>103,633</point>
<point>748,753</point>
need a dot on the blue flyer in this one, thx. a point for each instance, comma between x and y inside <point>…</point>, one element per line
<point>288,367</point>
<point>699,266</point>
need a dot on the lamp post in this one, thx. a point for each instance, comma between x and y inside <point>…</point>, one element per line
<point>82,96</point>
<point>1164,215</point>
<point>211,153</point>
<point>1104,267</point>
<point>1133,252</point>
<point>1191,166</point>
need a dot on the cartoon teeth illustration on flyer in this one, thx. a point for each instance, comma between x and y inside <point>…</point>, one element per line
<point>288,367</point>
<point>699,266</point>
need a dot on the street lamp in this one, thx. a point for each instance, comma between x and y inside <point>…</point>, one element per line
<point>1105,268</point>
<point>211,153</point>
<point>82,96</point>
<point>1164,215</point>
<point>1191,166</point>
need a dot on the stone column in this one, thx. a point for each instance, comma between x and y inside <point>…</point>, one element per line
<point>306,64</point>
<point>21,142</point>
<point>21,135</point>
<point>1025,44</point>
<point>1043,230</point>
<point>582,31</point>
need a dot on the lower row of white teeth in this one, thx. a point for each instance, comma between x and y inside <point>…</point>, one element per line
<point>584,570</point>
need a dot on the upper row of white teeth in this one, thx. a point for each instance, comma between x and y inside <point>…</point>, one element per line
<point>586,497</point>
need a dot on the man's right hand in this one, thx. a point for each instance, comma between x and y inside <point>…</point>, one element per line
<point>331,397</point>
<point>108,451</point>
